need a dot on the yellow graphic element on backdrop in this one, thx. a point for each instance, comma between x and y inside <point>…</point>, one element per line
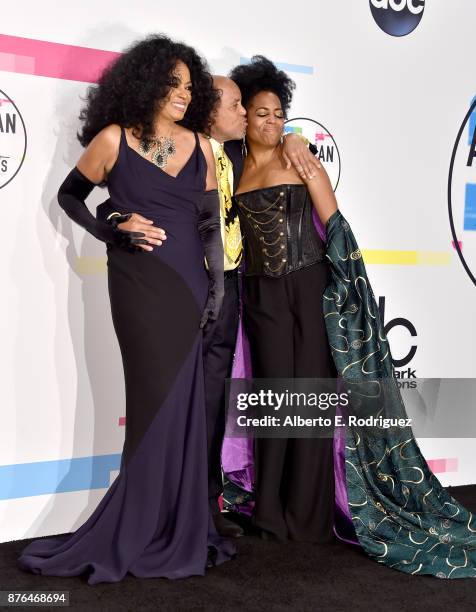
<point>406,258</point>
<point>91,265</point>
<point>97,265</point>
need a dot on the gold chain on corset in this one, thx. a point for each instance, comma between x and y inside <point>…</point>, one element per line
<point>263,222</point>
<point>258,225</point>
<point>264,209</point>
<point>271,243</point>
<point>267,231</point>
<point>265,251</point>
<point>266,263</point>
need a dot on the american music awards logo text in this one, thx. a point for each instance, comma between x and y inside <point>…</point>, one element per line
<point>12,139</point>
<point>318,135</point>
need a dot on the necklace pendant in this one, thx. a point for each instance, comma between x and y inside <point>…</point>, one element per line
<point>145,147</point>
<point>159,159</point>
<point>164,148</point>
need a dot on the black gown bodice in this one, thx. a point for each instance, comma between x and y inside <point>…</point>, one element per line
<point>278,230</point>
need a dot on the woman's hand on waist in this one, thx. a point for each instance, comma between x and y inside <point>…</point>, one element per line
<point>137,223</point>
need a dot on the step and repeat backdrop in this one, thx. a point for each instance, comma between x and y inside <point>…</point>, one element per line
<point>385,89</point>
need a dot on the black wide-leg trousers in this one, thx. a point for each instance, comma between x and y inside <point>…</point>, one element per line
<point>218,349</point>
<point>284,321</point>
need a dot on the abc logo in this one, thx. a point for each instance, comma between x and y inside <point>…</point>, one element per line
<point>397,17</point>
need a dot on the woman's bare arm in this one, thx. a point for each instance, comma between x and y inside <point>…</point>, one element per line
<point>101,154</point>
<point>211,166</point>
<point>322,194</point>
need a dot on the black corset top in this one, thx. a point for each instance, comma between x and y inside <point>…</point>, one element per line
<point>278,230</point>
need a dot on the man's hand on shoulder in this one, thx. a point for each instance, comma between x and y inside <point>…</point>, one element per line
<point>296,153</point>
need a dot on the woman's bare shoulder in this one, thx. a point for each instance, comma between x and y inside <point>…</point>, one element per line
<point>110,136</point>
<point>184,135</point>
<point>275,173</point>
<point>204,142</point>
<point>206,147</point>
<point>101,154</point>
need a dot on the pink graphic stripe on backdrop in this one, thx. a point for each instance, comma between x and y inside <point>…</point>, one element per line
<point>439,466</point>
<point>49,59</point>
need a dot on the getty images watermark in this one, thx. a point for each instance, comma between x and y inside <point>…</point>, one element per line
<point>287,408</point>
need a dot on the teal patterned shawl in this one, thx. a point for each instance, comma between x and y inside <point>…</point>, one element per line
<point>402,515</point>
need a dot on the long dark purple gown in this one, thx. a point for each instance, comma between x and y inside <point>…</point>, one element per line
<point>154,520</point>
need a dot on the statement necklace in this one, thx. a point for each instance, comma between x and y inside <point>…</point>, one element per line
<point>164,148</point>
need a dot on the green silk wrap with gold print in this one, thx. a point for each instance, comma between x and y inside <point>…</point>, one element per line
<point>402,515</point>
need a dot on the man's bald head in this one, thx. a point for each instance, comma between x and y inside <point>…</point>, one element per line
<point>229,116</point>
<point>220,82</point>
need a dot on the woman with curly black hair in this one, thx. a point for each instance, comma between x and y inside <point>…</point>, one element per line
<point>140,127</point>
<point>284,279</point>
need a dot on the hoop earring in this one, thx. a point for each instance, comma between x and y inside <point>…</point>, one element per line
<point>244,150</point>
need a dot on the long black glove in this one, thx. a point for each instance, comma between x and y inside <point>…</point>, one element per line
<point>104,210</point>
<point>71,197</point>
<point>210,234</point>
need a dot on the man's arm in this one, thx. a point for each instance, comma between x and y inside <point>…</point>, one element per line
<point>298,152</point>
